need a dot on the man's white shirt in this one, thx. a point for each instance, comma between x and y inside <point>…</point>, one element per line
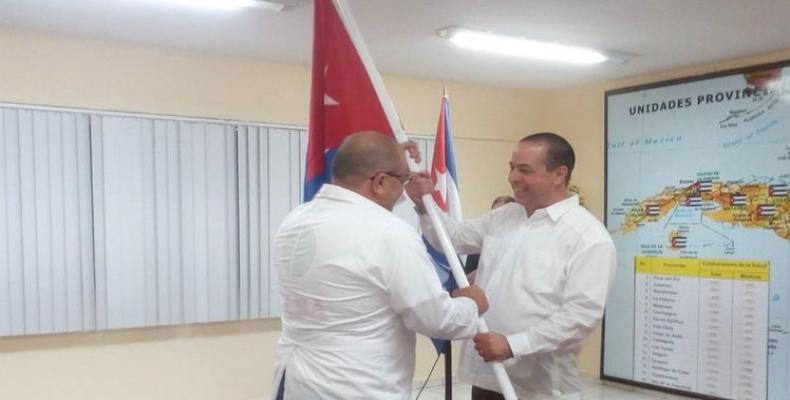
<point>356,283</point>
<point>546,278</point>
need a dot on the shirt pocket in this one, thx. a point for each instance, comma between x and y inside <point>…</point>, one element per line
<point>496,258</point>
<point>540,272</point>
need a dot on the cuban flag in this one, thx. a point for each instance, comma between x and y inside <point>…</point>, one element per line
<point>443,172</point>
<point>445,194</point>
<point>738,199</point>
<point>694,201</point>
<point>704,186</point>
<point>777,190</point>
<point>651,210</point>
<point>343,98</point>
<point>766,210</point>
<point>679,242</point>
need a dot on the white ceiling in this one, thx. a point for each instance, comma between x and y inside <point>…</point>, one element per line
<point>401,33</point>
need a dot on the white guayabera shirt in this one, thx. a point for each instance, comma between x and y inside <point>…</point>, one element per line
<point>356,283</point>
<point>546,278</point>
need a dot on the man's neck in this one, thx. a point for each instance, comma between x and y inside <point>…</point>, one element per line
<point>547,202</point>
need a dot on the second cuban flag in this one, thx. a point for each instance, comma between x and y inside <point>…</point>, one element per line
<point>445,194</point>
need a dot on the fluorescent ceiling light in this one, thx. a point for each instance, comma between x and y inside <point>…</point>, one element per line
<point>268,5</point>
<point>514,46</point>
<point>216,4</point>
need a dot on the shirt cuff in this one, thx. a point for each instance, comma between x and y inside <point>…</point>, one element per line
<point>519,344</point>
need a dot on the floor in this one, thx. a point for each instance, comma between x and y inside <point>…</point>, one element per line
<point>594,389</point>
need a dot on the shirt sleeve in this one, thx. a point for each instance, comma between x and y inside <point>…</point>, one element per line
<point>416,294</point>
<point>466,237</point>
<point>590,275</point>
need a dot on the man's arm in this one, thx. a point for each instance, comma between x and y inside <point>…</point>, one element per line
<point>467,236</point>
<point>418,297</point>
<point>584,298</point>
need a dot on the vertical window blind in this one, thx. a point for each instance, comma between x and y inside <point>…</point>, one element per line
<point>46,234</point>
<point>111,220</point>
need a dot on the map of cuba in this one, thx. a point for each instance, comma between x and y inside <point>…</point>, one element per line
<point>756,205</point>
<point>698,206</point>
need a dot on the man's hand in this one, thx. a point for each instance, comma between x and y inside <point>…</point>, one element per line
<point>419,185</point>
<point>410,146</point>
<point>492,346</point>
<point>475,293</point>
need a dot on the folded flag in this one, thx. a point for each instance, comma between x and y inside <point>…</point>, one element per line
<point>445,194</point>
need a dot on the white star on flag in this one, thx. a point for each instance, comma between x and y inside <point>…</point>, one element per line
<point>328,100</point>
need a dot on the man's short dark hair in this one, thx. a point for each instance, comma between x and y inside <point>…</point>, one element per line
<point>559,151</point>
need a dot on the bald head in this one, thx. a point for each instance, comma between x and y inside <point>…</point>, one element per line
<point>363,154</point>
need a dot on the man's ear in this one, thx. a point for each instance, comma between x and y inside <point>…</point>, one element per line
<point>560,174</point>
<point>377,184</point>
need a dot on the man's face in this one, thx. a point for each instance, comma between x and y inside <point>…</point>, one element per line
<point>392,184</point>
<point>532,183</point>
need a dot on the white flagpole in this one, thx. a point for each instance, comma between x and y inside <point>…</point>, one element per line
<point>392,116</point>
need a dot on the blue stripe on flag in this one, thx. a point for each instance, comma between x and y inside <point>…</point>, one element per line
<point>312,186</point>
<point>448,144</point>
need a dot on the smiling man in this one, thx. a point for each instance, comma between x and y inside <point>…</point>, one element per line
<point>546,265</point>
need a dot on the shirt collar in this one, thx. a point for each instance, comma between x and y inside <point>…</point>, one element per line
<point>558,209</point>
<point>334,192</point>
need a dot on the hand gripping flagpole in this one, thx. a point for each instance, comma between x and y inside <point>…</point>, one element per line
<point>392,117</point>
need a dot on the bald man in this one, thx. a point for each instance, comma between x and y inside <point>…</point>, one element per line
<point>357,283</point>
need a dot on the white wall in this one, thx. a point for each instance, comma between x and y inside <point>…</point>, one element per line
<point>223,360</point>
